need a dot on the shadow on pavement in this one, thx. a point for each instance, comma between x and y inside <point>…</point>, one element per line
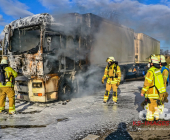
<point>120,134</point>
<point>25,107</point>
<point>139,99</point>
<point>21,104</point>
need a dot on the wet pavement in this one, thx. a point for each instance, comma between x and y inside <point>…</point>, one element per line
<point>76,119</point>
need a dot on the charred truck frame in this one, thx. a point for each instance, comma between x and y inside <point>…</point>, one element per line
<point>49,51</point>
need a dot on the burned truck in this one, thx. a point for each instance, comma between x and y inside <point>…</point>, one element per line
<point>51,52</point>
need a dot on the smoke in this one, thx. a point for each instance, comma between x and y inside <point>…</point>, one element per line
<point>84,38</point>
<point>90,80</point>
<point>151,19</point>
<point>74,43</point>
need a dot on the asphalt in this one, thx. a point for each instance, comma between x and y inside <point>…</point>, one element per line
<point>75,119</point>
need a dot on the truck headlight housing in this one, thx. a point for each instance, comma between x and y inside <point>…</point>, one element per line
<point>37,85</point>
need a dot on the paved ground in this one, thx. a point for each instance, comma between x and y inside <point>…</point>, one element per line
<point>78,118</point>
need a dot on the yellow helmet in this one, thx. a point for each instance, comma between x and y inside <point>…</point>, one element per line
<point>110,59</point>
<point>162,59</point>
<point>153,59</point>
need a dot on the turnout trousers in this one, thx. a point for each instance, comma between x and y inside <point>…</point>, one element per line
<point>152,110</point>
<point>7,91</point>
<point>107,92</point>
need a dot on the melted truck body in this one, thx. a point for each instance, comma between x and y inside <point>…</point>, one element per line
<point>51,52</point>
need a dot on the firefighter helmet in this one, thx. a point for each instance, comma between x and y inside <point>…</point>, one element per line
<point>110,59</point>
<point>153,59</point>
<point>162,59</point>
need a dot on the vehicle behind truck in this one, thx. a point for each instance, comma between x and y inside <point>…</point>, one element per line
<point>55,55</point>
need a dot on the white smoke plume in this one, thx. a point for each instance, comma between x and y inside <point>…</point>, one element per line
<point>152,19</point>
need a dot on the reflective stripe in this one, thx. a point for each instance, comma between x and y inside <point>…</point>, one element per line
<point>157,71</point>
<point>149,115</point>
<point>2,108</point>
<point>148,79</point>
<point>11,108</point>
<point>162,89</point>
<point>144,89</point>
<point>114,99</point>
<point>11,111</point>
<point>118,71</point>
<point>8,84</point>
<point>153,96</point>
<point>105,75</point>
<point>113,82</point>
<point>105,98</point>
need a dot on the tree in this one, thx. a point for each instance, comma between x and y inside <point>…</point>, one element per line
<point>162,51</point>
<point>166,52</point>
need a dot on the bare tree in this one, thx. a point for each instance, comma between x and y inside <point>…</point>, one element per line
<point>166,52</point>
<point>162,51</point>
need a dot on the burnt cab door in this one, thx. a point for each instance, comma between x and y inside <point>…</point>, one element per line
<point>67,51</point>
<point>52,46</point>
<point>60,53</point>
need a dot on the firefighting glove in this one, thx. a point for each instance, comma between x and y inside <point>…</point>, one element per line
<point>166,97</point>
<point>102,81</point>
<point>118,83</point>
<point>161,98</point>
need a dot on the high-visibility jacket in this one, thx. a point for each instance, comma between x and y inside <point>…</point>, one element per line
<point>165,74</point>
<point>153,84</point>
<point>9,72</point>
<point>113,73</point>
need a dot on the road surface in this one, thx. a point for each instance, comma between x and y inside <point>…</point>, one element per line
<point>78,118</point>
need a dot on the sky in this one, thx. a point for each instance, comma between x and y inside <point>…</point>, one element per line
<point>151,17</point>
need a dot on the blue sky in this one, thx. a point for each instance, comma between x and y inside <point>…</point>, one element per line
<point>151,17</point>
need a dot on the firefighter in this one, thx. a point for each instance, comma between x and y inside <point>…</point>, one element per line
<point>7,87</point>
<point>153,88</point>
<point>113,73</point>
<point>165,74</point>
<point>164,70</point>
